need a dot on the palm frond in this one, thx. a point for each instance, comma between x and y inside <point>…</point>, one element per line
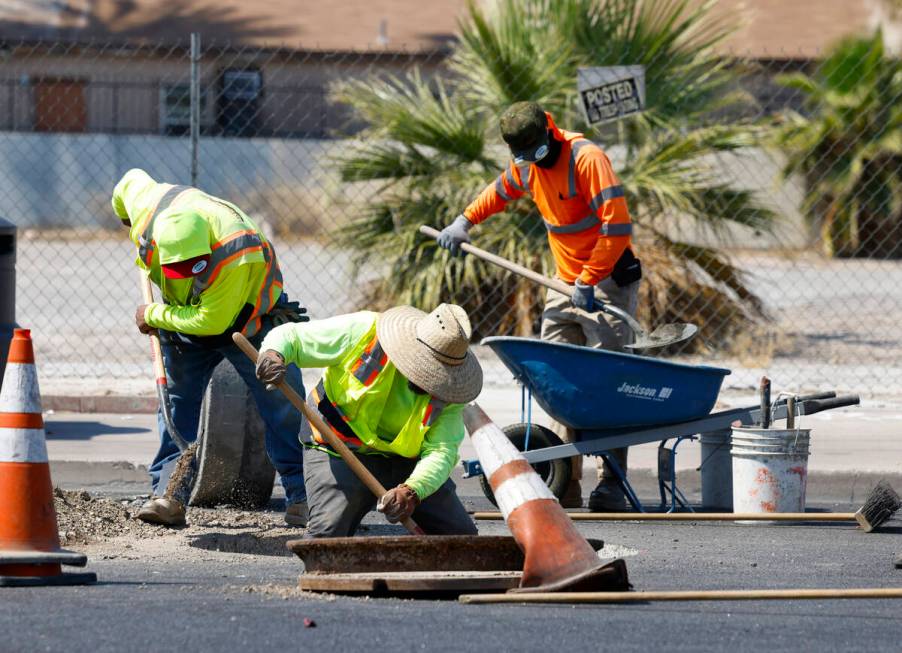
<point>433,145</point>
<point>841,148</point>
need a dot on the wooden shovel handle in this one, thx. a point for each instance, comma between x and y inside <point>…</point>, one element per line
<point>158,369</point>
<point>348,456</point>
<point>541,279</point>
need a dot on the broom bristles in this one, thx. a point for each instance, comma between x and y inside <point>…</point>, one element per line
<point>881,504</point>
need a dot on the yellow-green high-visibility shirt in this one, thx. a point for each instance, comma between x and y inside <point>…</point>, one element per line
<point>326,343</point>
<point>249,277</point>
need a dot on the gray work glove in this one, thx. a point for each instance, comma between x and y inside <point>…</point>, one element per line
<point>271,368</point>
<point>454,234</point>
<point>286,312</point>
<point>583,296</point>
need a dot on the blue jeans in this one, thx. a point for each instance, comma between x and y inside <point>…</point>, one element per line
<point>188,370</point>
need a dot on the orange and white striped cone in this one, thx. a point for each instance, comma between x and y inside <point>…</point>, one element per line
<point>30,552</point>
<point>557,556</point>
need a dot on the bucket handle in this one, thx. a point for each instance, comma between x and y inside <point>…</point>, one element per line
<point>796,412</point>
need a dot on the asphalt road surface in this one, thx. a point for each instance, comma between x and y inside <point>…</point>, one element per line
<point>151,597</point>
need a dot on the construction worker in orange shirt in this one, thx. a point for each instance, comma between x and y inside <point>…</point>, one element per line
<point>584,211</point>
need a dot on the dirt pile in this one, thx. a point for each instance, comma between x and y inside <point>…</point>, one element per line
<point>83,518</point>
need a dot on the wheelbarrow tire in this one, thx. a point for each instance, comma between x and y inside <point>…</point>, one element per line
<point>555,473</point>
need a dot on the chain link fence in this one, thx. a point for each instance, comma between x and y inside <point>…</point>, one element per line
<point>804,286</point>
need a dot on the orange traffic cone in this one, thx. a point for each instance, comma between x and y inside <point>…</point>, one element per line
<point>557,557</point>
<point>30,552</point>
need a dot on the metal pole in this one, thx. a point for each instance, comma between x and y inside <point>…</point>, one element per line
<point>8,234</point>
<point>195,103</point>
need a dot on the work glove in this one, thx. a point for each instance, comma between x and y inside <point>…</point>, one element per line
<point>454,234</point>
<point>286,312</point>
<point>583,296</point>
<point>271,368</point>
<point>398,503</point>
<point>143,326</point>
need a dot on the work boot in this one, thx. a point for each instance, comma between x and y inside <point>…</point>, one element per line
<point>296,514</point>
<point>607,497</point>
<point>573,496</point>
<point>166,512</point>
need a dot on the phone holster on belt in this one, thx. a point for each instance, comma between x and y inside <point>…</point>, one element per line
<point>627,270</point>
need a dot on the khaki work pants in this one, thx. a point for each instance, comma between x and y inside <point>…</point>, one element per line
<point>562,322</point>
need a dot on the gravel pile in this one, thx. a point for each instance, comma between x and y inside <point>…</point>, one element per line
<point>83,518</point>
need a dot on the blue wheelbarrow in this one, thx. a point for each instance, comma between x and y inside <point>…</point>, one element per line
<point>615,400</point>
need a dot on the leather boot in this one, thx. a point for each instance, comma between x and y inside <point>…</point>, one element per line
<point>296,514</point>
<point>166,512</point>
<point>607,497</point>
<point>573,497</point>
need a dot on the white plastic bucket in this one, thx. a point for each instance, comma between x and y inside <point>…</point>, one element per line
<point>716,470</point>
<point>770,469</point>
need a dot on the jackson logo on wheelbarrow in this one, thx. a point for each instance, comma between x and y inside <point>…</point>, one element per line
<point>639,391</point>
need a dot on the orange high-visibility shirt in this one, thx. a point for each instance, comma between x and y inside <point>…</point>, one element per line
<point>581,202</point>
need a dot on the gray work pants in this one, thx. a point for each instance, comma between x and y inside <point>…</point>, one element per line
<point>337,500</point>
<point>562,322</point>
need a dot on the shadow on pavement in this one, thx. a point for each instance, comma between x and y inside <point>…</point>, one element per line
<point>86,430</point>
<point>250,543</point>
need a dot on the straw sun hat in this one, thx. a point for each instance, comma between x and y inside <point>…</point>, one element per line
<point>432,350</point>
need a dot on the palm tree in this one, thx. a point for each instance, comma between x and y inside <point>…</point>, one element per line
<point>433,145</point>
<point>850,149</point>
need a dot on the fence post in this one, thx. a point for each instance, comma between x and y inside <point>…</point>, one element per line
<point>7,288</point>
<point>195,103</point>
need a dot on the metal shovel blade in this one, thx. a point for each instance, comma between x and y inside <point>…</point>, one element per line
<point>664,335</point>
<point>667,334</point>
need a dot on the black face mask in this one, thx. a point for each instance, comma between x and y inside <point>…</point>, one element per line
<point>554,151</point>
<point>414,388</point>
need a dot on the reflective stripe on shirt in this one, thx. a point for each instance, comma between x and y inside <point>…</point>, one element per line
<point>370,363</point>
<point>587,222</point>
<point>433,410</point>
<point>499,188</point>
<point>591,220</point>
<point>513,182</point>
<point>145,240</point>
<point>575,147</point>
<point>605,195</point>
<point>223,252</point>
<point>624,229</point>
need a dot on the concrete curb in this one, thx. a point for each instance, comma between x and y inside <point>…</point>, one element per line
<point>100,404</point>
<point>79,473</point>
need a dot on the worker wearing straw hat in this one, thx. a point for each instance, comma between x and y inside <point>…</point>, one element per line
<point>393,390</point>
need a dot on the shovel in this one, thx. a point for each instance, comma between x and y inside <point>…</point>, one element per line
<point>181,473</point>
<point>349,457</point>
<point>664,335</point>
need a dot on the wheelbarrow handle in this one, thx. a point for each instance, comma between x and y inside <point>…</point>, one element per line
<point>554,284</point>
<point>159,371</point>
<point>812,406</point>
<point>348,456</point>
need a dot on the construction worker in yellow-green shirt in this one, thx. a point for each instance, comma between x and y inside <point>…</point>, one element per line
<point>393,389</point>
<point>218,274</point>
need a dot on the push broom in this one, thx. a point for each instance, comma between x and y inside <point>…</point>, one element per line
<point>879,507</point>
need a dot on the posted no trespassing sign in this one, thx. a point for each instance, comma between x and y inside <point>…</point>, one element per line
<point>611,92</point>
